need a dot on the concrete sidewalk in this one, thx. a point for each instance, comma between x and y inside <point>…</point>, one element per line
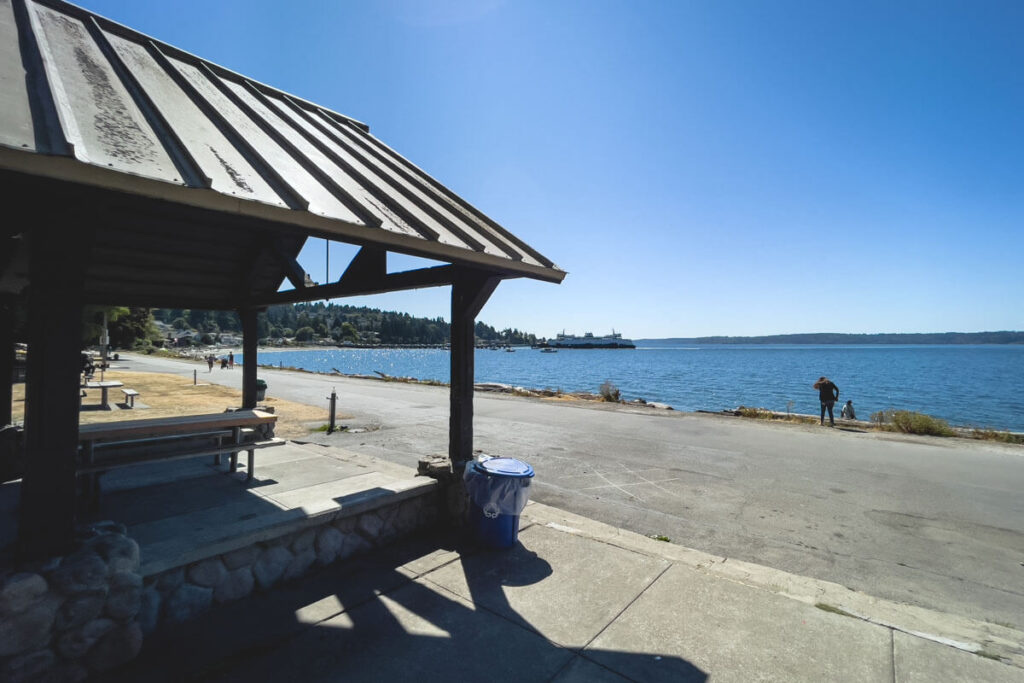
<point>576,600</point>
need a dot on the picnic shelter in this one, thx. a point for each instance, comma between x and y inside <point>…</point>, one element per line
<point>134,173</point>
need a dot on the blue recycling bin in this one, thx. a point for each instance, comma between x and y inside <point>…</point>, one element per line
<point>498,489</point>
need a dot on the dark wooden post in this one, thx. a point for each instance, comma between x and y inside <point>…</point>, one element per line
<point>6,360</point>
<point>46,521</point>
<point>470,292</point>
<point>249,342</point>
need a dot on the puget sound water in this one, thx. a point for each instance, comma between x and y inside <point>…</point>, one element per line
<point>967,385</point>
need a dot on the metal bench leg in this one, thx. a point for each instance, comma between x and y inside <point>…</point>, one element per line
<point>237,434</point>
<point>252,464</point>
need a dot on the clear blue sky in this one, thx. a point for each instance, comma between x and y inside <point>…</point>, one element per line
<point>698,168</point>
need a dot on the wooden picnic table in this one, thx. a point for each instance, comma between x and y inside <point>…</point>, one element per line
<point>104,386</point>
<point>112,445</point>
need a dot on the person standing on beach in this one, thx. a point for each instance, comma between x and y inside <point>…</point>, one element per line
<point>231,360</point>
<point>209,361</point>
<point>828,393</point>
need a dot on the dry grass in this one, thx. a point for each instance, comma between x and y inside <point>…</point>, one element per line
<point>172,395</point>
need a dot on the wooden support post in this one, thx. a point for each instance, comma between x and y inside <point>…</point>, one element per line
<point>46,521</point>
<point>470,292</point>
<point>249,342</point>
<point>6,360</point>
<point>331,424</point>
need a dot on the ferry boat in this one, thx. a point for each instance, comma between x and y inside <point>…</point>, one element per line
<point>589,341</point>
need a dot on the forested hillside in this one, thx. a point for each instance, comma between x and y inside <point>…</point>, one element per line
<point>334,323</point>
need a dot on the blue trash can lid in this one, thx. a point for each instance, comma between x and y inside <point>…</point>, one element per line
<point>506,467</point>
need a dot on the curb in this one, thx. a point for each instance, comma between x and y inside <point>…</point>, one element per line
<point>982,638</point>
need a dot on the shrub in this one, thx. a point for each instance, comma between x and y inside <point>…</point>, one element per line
<point>993,435</point>
<point>881,418</point>
<point>143,346</point>
<point>909,422</point>
<point>609,392</point>
<point>757,413</point>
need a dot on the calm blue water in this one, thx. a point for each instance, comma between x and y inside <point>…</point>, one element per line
<point>966,385</point>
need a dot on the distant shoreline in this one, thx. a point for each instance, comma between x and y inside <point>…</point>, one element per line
<point>827,338</point>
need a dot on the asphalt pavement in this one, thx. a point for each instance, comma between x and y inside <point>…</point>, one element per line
<point>933,523</point>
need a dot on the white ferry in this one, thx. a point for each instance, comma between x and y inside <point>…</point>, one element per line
<point>589,341</point>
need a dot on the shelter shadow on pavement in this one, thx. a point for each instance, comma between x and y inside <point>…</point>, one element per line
<point>382,618</point>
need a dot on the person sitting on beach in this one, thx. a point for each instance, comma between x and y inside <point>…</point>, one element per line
<point>848,413</point>
<point>828,393</point>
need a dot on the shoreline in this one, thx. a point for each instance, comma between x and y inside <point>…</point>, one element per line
<point>763,414</point>
<point>593,400</point>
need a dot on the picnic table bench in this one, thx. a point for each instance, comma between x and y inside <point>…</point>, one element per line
<point>104,387</point>
<point>112,445</point>
<point>129,397</point>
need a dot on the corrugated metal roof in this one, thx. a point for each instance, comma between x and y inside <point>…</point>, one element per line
<point>90,101</point>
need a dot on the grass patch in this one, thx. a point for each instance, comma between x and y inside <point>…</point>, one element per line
<point>909,422</point>
<point>825,607</point>
<point>660,537</point>
<point>168,395</point>
<point>765,414</point>
<point>993,435</point>
<point>326,426</point>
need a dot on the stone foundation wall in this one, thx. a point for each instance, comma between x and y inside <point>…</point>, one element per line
<point>183,593</point>
<point>76,616</point>
<point>71,616</point>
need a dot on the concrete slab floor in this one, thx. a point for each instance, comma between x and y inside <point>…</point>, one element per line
<point>738,633</point>
<point>564,587</point>
<point>416,633</point>
<point>923,661</point>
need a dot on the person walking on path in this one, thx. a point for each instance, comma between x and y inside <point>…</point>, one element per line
<point>231,360</point>
<point>209,361</point>
<point>828,393</point>
<point>848,411</point>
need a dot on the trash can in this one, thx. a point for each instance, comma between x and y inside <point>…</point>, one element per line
<point>498,490</point>
<point>261,389</point>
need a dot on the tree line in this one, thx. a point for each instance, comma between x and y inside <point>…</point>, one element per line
<point>330,322</point>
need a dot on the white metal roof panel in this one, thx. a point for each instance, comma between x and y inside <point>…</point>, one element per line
<point>221,165</point>
<point>100,119</point>
<point>424,206</point>
<point>88,101</point>
<point>375,177</point>
<point>305,188</point>
<point>355,191</point>
<point>470,216</point>
<point>16,129</point>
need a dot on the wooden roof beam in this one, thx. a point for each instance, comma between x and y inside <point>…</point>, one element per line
<point>437,276</point>
<point>368,264</point>
<point>293,271</point>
